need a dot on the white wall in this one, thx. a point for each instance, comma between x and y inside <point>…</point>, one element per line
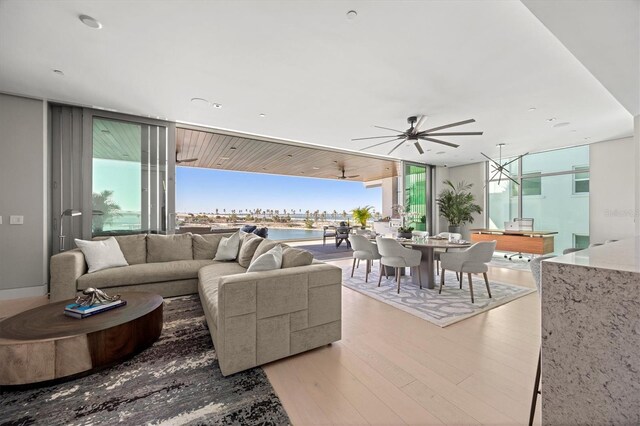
<point>470,173</point>
<point>612,190</point>
<point>23,191</point>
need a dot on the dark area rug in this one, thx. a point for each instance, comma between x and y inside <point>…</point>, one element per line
<point>329,251</point>
<point>175,382</point>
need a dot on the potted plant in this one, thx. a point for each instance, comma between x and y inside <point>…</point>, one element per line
<point>361,215</point>
<point>457,204</point>
<point>405,232</point>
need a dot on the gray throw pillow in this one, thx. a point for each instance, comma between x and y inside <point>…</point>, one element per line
<point>248,248</point>
<point>167,248</point>
<point>292,257</point>
<point>265,246</point>
<point>134,248</point>
<point>205,246</point>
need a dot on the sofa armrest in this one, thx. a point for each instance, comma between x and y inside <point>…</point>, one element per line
<point>259,312</point>
<point>66,268</point>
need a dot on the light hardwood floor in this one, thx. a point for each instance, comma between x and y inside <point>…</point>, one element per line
<point>393,368</point>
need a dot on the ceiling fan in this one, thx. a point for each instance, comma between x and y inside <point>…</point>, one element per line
<point>346,177</point>
<point>185,160</point>
<point>416,135</point>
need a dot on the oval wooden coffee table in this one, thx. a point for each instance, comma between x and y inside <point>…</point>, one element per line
<point>43,344</point>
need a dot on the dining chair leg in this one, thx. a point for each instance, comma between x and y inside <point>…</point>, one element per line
<point>536,392</point>
<point>419,276</point>
<point>358,263</point>
<point>353,268</point>
<point>398,278</point>
<point>486,282</point>
<point>441,281</point>
<point>470,287</point>
<point>366,274</point>
<point>437,267</point>
<point>380,277</point>
<point>459,277</point>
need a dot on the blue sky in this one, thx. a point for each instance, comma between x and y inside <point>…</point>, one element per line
<point>204,190</point>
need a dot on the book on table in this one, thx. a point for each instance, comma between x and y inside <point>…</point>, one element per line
<point>78,311</point>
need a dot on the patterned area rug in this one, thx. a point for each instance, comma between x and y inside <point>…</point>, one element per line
<point>450,307</point>
<point>516,263</point>
<point>175,382</point>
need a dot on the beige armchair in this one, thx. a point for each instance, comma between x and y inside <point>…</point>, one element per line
<point>363,249</point>
<point>393,254</point>
<point>472,261</point>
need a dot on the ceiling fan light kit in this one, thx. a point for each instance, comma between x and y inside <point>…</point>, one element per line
<point>415,135</point>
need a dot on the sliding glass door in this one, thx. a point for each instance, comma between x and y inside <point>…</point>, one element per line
<point>129,166</point>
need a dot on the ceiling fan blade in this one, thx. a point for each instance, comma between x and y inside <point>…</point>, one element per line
<point>499,179</point>
<point>452,134</point>
<point>376,137</point>
<point>490,179</point>
<point>446,126</point>
<point>453,145</point>
<point>511,179</point>
<point>494,175</point>
<point>386,128</point>
<point>396,147</point>
<point>419,124</point>
<point>381,143</point>
<point>517,158</point>
<point>418,147</point>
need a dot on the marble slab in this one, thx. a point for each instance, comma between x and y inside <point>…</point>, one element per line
<point>591,337</point>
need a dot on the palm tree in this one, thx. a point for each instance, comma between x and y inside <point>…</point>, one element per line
<point>102,202</point>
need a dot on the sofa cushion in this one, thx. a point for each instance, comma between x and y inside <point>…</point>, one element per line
<point>154,272</point>
<point>292,257</point>
<point>265,246</point>
<point>206,245</point>
<point>168,248</point>
<point>134,248</point>
<point>249,245</point>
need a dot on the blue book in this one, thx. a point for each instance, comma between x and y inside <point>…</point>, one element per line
<point>104,308</point>
<point>79,309</point>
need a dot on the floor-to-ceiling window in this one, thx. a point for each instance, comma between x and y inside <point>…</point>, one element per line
<point>415,187</point>
<point>553,189</point>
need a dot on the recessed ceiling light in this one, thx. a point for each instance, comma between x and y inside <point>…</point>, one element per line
<point>224,158</point>
<point>440,152</point>
<point>262,115</point>
<point>500,144</point>
<point>316,168</point>
<point>200,101</point>
<point>90,22</point>
<point>233,147</point>
<point>551,119</point>
<point>586,139</point>
<point>532,109</point>
<point>58,72</point>
<point>290,156</point>
<point>563,124</point>
<point>351,15</point>
<point>216,105</point>
<point>219,164</point>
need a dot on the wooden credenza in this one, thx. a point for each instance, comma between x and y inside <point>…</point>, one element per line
<point>530,242</point>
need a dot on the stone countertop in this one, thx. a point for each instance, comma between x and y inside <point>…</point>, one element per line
<point>623,255</point>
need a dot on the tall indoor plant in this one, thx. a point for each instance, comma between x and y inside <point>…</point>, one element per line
<point>457,204</point>
<point>362,215</point>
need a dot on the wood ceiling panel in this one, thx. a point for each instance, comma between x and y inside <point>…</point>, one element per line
<point>274,157</point>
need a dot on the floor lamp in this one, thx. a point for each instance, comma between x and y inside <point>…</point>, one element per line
<point>67,212</point>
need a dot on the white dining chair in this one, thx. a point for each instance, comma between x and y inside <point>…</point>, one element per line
<point>394,255</point>
<point>472,260</point>
<point>438,252</point>
<point>363,249</point>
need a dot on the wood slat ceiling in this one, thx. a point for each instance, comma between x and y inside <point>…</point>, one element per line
<point>228,152</point>
<point>116,140</point>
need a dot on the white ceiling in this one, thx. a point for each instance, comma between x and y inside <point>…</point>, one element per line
<point>319,77</point>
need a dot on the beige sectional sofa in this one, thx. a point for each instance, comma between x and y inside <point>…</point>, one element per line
<point>254,318</point>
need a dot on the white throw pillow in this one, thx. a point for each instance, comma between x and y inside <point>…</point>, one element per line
<point>267,261</point>
<point>102,254</point>
<point>228,247</point>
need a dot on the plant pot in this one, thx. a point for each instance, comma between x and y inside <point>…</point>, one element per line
<point>454,229</point>
<point>407,235</point>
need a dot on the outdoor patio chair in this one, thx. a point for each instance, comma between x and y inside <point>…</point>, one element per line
<point>328,231</point>
<point>342,234</point>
